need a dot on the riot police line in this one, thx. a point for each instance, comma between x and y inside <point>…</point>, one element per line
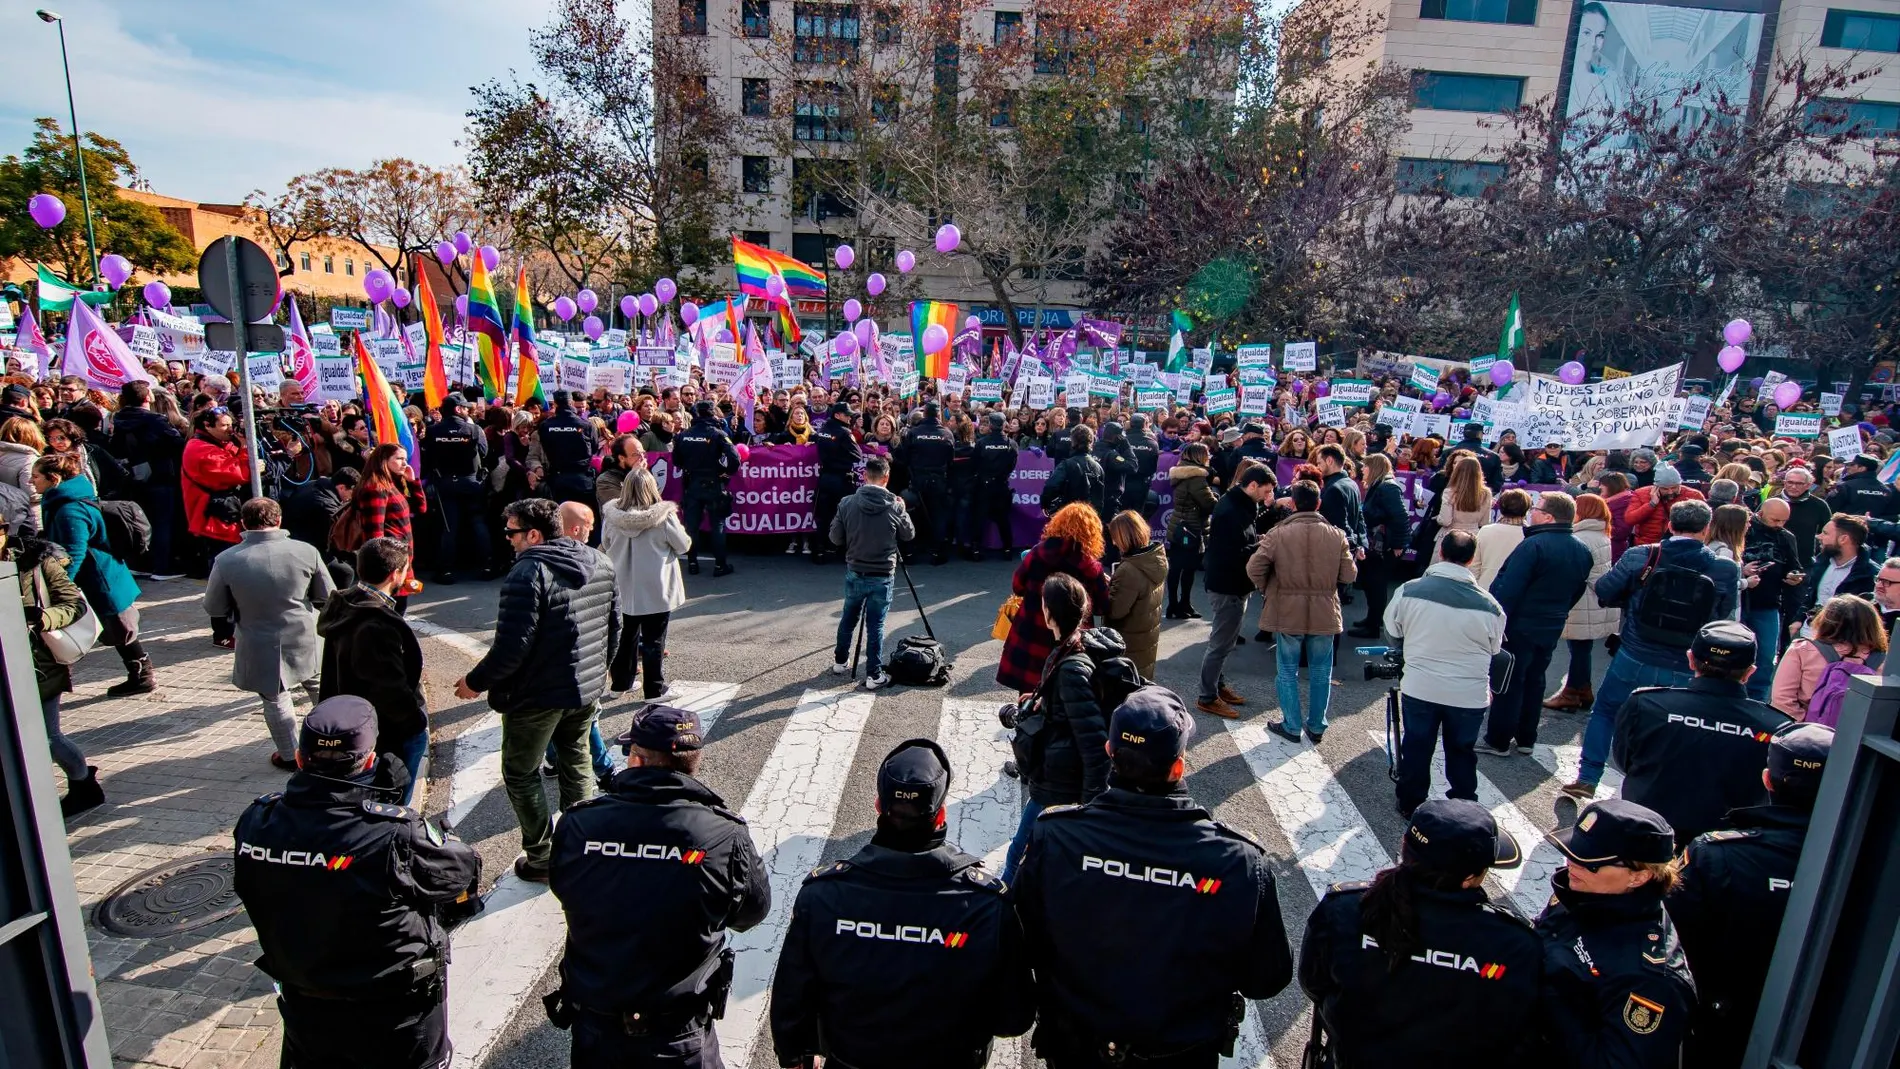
<point>1136,931</point>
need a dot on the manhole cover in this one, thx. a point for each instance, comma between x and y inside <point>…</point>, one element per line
<point>174,897</point>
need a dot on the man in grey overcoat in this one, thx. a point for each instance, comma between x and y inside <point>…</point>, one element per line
<point>273,586</point>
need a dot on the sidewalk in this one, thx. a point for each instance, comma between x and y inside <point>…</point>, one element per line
<point>178,767</point>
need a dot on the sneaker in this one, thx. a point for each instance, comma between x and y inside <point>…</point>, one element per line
<point>1317,737</point>
<point>530,871</point>
<point>165,577</point>
<point>1580,790</point>
<point>1285,732</point>
<point>1193,613</point>
<point>1494,751</point>
<point>876,679</point>
<point>1525,750</point>
<point>1219,708</point>
<point>842,668</point>
<point>792,550</point>
<point>721,570</point>
<point>692,567</point>
<point>1230,695</point>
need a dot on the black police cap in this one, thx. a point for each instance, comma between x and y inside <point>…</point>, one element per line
<point>1797,755</point>
<point>1253,428</point>
<point>338,729</point>
<point>1154,721</point>
<point>666,729</point>
<point>839,408</point>
<point>1617,829</point>
<point>914,778</point>
<point>1458,836</point>
<point>704,409</point>
<point>1724,644</point>
<point>1865,461</point>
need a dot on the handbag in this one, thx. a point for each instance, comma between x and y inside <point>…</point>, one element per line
<point>70,643</point>
<point>1005,613</point>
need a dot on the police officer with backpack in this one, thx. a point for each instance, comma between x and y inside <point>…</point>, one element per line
<point>706,459</point>
<point>905,955</point>
<point>569,442</point>
<point>1693,753</point>
<point>927,449</point>
<point>453,451</point>
<point>1668,592</point>
<point>992,501</point>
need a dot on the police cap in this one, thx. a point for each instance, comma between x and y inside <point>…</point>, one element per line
<point>1865,462</point>
<point>1456,836</point>
<point>1137,422</point>
<point>914,779</point>
<point>1153,721</point>
<point>1797,755</point>
<point>451,403</point>
<point>342,728</point>
<point>666,729</point>
<point>839,408</point>
<point>1724,644</point>
<point>1616,829</point>
<point>1254,428</point>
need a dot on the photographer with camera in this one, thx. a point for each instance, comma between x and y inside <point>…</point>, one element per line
<point>1769,558</point>
<point>1451,629</point>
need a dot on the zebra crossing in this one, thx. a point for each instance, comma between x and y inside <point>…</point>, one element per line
<point>1329,826</point>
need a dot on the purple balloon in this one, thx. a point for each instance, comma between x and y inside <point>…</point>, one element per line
<point>648,304</point>
<point>1440,399</point>
<point>629,305</point>
<point>157,294</point>
<point>563,308</point>
<point>377,286</point>
<point>1731,358</point>
<point>587,300</point>
<point>593,327</point>
<point>774,285</point>
<point>462,242</point>
<point>846,343</point>
<point>445,252</point>
<point>1322,388</point>
<point>491,257</point>
<point>852,310</point>
<point>948,238</point>
<point>906,260</point>
<point>1502,373</point>
<point>115,269</point>
<point>666,289</point>
<point>399,298</point>
<point>973,323</point>
<point>866,330</point>
<point>1572,373</point>
<point>1755,383</point>
<point>689,313</point>
<point>47,210</point>
<point>935,338</point>
<point>875,284</point>
<point>844,256</point>
<point>461,306</point>
<point>1788,394</point>
<point>1737,332</point>
<point>725,336</point>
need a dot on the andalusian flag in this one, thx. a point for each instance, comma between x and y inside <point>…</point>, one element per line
<point>56,294</point>
<point>1177,354</point>
<point>491,336</point>
<point>1512,336</point>
<point>528,387</point>
<point>383,405</point>
<point>922,314</point>
<point>753,264</point>
<point>435,377</point>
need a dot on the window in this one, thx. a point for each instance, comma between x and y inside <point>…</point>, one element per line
<point>1511,12</point>
<point>824,33</point>
<point>1861,118</point>
<point>813,249</point>
<point>1054,45</point>
<point>1459,178</point>
<point>303,262</point>
<point>880,252</point>
<point>1865,30</point>
<point>818,113</point>
<point>283,260</point>
<point>693,89</point>
<point>1134,115</point>
<point>1003,109</point>
<point>756,174</point>
<point>818,190</point>
<point>1442,91</point>
<point>1008,27</point>
<point>695,162</point>
<point>1194,115</point>
<point>755,98</point>
<point>884,103</point>
<point>349,266</point>
<point>757,15</point>
<point>886,29</point>
<point>761,238</point>
<point>693,18</point>
<point>944,77</point>
<point>329,265</point>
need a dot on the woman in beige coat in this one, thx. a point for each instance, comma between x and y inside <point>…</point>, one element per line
<point>1134,588</point>
<point>1466,503</point>
<point>1589,620</point>
<point>1300,565</point>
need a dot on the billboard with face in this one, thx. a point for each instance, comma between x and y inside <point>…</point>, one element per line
<point>1684,59</point>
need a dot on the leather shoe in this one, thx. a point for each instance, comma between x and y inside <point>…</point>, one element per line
<point>1218,708</point>
<point>1230,695</point>
<point>529,871</point>
<point>1285,732</point>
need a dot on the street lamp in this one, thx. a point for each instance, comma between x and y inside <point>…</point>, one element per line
<point>79,154</point>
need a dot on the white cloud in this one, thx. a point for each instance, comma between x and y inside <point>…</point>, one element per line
<point>214,98</point>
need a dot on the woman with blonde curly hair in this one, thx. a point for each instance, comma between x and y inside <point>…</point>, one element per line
<point>1071,544</point>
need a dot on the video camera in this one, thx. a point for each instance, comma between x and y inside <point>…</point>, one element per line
<point>1388,665</point>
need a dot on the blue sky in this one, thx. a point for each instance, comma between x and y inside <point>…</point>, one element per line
<point>215,98</point>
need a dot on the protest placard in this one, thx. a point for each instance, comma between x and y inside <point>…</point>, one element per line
<point>1042,393</point>
<point>573,372</point>
<point>614,377</point>
<point>1331,413</point>
<point>1406,404</point>
<point>838,365</point>
<point>143,342</point>
<point>1253,354</point>
<point>349,318</point>
<point>1844,442</point>
<point>1546,426</point>
<point>1300,356</point>
<point>654,356</point>
<point>1831,404</point>
<point>336,378</point>
<point>986,390</point>
<point>1203,359</point>
<point>1798,425</point>
<point>418,335</point>
<point>1425,377</point>
<point>413,372</point>
<point>1255,399</point>
<point>615,338</point>
<point>1481,365</point>
<point>388,354</point>
<point>1219,402</point>
<point>957,380</point>
<point>1620,413</point>
<point>909,383</point>
<point>1149,397</point>
<point>1351,391</point>
<point>1695,410</point>
<point>1257,376</point>
<point>1103,384</point>
<point>1426,424</point>
<point>267,371</point>
<point>1076,385</point>
<point>1142,374</point>
<point>1614,373</point>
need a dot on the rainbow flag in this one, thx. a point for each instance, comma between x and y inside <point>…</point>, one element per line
<point>491,336</point>
<point>435,377</point>
<point>383,405</point>
<point>529,385</point>
<point>787,324</point>
<point>753,264</point>
<point>922,315</point>
<point>738,339</point>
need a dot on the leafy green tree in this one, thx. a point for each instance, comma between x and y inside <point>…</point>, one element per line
<point>135,231</point>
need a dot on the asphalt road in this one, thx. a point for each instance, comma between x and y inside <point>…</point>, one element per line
<point>1325,814</point>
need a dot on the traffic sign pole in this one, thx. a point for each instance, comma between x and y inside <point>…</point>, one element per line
<point>252,429</point>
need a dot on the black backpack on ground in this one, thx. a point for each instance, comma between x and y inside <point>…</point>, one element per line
<point>918,661</point>
<point>1672,604</point>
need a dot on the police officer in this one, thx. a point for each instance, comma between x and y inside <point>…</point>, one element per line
<point>453,450</point>
<point>1148,921</point>
<point>1617,990</point>
<point>706,459</point>
<point>1473,443</point>
<point>905,956</point>
<point>651,875</point>
<point>838,460</point>
<point>927,450</point>
<point>1861,493</point>
<point>1118,466</point>
<point>1147,453</point>
<point>1693,753</point>
<point>1734,891</point>
<point>1417,966</point>
<point>569,443</point>
<point>994,502</point>
<point>347,890</point>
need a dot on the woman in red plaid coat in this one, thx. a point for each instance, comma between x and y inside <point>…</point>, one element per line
<point>1071,543</point>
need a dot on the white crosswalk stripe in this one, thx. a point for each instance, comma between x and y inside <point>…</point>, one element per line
<point>985,805</point>
<point>1332,843</point>
<point>1562,762</point>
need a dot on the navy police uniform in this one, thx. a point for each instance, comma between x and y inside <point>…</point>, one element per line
<point>1617,989</point>
<point>453,450</point>
<point>927,449</point>
<point>906,955</point>
<point>1147,453</point>
<point>347,890</point>
<point>1119,467</point>
<point>995,501</point>
<point>1734,892</point>
<point>706,459</point>
<point>569,443</point>
<point>838,461</point>
<point>1693,753</point>
<point>1467,992</point>
<point>651,875</point>
<point>1148,920</point>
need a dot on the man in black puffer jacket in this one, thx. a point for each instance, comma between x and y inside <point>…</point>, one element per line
<point>555,631</point>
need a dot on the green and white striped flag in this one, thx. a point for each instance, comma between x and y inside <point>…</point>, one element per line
<point>1512,336</point>
<point>1177,353</point>
<point>56,294</point>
